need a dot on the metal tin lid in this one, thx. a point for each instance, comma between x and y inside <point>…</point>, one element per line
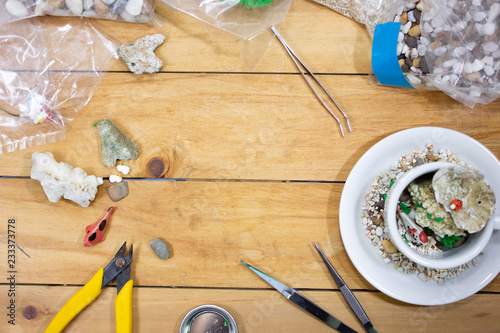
<point>208,319</point>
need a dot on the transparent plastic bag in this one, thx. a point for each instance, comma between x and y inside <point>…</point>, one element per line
<point>452,46</point>
<point>47,74</point>
<point>141,11</point>
<point>367,12</point>
<point>244,18</point>
<point>248,19</point>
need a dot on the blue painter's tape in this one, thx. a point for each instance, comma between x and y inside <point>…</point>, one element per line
<point>384,55</point>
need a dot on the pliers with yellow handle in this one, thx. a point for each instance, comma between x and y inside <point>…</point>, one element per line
<point>119,269</point>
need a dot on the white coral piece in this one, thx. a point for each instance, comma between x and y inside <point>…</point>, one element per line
<point>61,179</point>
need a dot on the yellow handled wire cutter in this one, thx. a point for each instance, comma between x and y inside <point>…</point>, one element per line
<point>119,269</point>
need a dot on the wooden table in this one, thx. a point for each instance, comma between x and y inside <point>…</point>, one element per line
<point>257,168</point>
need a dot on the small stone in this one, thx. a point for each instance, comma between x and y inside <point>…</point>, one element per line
<point>115,179</point>
<point>160,248</point>
<point>479,16</point>
<point>118,191</point>
<point>417,13</point>
<point>404,18</point>
<point>100,8</point>
<point>75,6</point>
<point>16,8</point>
<point>123,169</point>
<point>389,246</point>
<point>412,41</point>
<point>415,31</point>
<point>114,144</point>
<point>134,7</point>
<point>56,4</point>
<point>87,5</point>
<point>490,47</point>
<point>139,55</point>
<point>377,220</point>
<point>117,7</point>
<point>416,62</point>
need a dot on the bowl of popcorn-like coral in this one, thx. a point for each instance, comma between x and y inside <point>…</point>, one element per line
<point>441,215</point>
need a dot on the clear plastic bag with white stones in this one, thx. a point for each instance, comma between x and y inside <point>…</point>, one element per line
<point>48,74</point>
<point>140,11</point>
<point>452,46</point>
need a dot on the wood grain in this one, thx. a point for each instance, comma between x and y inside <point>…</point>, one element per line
<point>209,227</point>
<point>162,310</point>
<point>244,126</point>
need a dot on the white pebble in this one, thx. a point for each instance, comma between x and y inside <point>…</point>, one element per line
<point>457,68</point>
<point>479,28</point>
<point>497,66</point>
<point>449,63</point>
<point>494,11</point>
<point>115,179</point>
<point>475,93</point>
<point>460,51</point>
<point>489,29</point>
<point>75,6</point>
<point>405,28</point>
<point>16,8</point>
<point>438,29</point>
<point>88,4</point>
<point>488,69</point>
<point>476,3</point>
<point>413,53</point>
<point>468,68</point>
<point>496,54</point>
<point>411,17</point>
<point>453,79</point>
<point>490,47</point>
<point>421,49</point>
<point>438,52</point>
<point>445,79</point>
<point>470,46</point>
<point>379,231</point>
<point>415,69</point>
<point>427,28</point>
<point>134,7</point>
<point>438,21</point>
<point>89,13</point>
<point>459,26</point>
<point>406,48</point>
<point>488,61</point>
<point>477,65</point>
<point>399,48</point>
<point>108,2</point>
<point>123,169</point>
<point>479,16</point>
<point>401,36</point>
<point>413,79</point>
<point>422,277</point>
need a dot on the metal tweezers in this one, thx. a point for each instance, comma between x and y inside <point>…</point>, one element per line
<point>296,61</point>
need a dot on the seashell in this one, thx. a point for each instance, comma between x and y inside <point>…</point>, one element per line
<point>465,185</point>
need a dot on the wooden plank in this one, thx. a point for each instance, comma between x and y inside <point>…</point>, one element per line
<point>162,310</point>
<point>209,227</point>
<point>333,44</point>
<point>239,126</point>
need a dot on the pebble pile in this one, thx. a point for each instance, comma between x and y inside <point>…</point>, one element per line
<point>453,46</point>
<point>373,219</point>
<point>129,10</point>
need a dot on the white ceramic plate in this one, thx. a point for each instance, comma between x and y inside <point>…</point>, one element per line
<point>408,287</point>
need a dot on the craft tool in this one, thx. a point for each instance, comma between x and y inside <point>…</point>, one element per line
<point>296,61</point>
<point>119,269</point>
<point>303,302</point>
<point>348,295</point>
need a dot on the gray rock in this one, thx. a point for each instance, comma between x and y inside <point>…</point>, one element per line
<point>114,144</point>
<point>139,55</point>
<point>118,191</point>
<point>160,248</point>
<point>117,6</point>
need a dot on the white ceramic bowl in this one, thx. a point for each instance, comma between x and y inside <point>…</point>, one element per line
<point>455,257</point>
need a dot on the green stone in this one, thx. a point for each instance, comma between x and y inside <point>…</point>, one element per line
<point>114,144</point>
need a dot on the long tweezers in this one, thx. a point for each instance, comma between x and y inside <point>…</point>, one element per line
<point>348,295</point>
<point>296,61</point>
